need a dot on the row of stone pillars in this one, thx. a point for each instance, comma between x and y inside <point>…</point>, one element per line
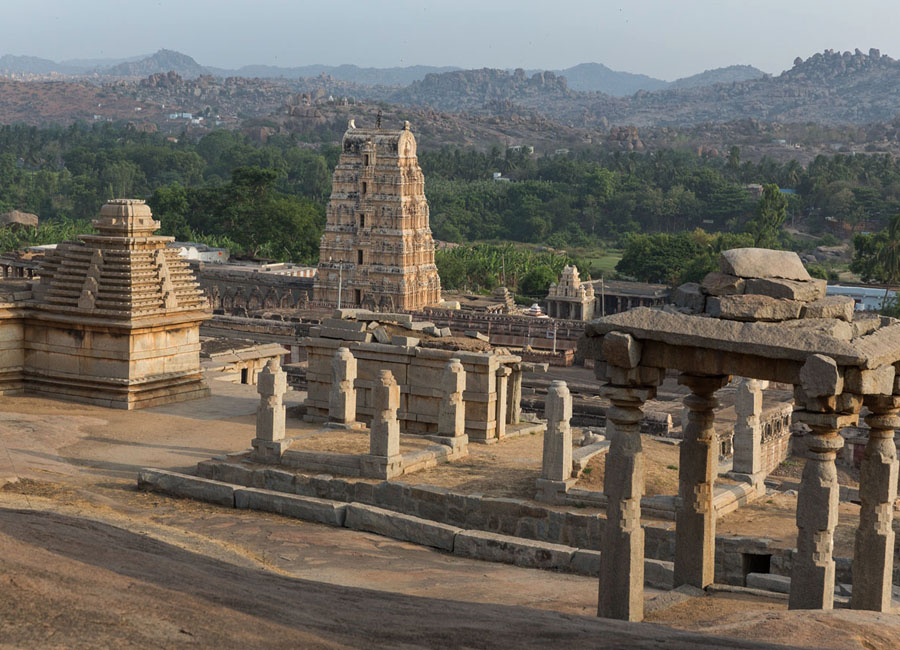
<point>342,399</point>
<point>812,582</point>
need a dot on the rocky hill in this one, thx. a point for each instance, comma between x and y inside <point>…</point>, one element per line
<point>398,76</point>
<point>729,74</point>
<point>596,77</point>
<point>162,61</point>
<point>828,88</point>
<point>471,90</point>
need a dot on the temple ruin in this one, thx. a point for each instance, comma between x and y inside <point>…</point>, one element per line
<point>377,251</point>
<point>761,317</point>
<point>114,319</point>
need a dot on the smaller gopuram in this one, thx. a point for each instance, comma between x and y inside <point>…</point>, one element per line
<point>570,298</point>
<point>115,319</point>
<point>377,251</point>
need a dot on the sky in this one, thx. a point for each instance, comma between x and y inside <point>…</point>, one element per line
<point>662,38</point>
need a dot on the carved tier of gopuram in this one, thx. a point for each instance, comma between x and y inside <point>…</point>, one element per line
<point>115,318</point>
<point>377,251</point>
<point>764,318</point>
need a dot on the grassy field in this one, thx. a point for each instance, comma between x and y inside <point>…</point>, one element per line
<point>601,262</point>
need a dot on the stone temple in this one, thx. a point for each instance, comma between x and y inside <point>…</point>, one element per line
<point>115,319</point>
<point>377,251</point>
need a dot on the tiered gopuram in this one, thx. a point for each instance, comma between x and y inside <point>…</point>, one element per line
<point>377,251</point>
<point>116,317</point>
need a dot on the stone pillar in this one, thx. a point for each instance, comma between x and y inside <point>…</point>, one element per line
<point>698,459</point>
<point>748,430</point>
<point>514,409</point>
<point>812,576</point>
<point>628,386</point>
<point>556,464</point>
<point>622,546</point>
<point>452,414</point>
<point>384,459</point>
<point>269,443</point>
<point>503,373</point>
<point>342,400</point>
<point>873,553</point>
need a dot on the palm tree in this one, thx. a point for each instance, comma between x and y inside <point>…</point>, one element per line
<point>889,257</point>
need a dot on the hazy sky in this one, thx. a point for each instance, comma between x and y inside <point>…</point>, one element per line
<point>662,38</point>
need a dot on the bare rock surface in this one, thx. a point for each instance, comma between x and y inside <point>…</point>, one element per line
<point>763,263</point>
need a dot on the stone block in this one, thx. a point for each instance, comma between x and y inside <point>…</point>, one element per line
<point>621,350</point>
<point>840,307</point>
<point>400,526</point>
<point>417,326</point>
<point>769,582</point>
<point>585,562</point>
<point>445,331</point>
<point>659,573</point>
<point>722,284</point>
<point>345,325</point>
<point>345,335</point>
<point>752,308</point>
<point>762,263</point>
<point>821,377</point>
<point>406,341</point>
<point>690,298</point>
<point>522,552</point>
<point>472,334</point>
<point>306,508</point>
<point>879,381</point>
<point>184,485</point>
<point>788,289</point>
<point>381,335</point>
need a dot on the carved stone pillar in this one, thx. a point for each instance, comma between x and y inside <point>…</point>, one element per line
<point>452,414</point>
<point>503,374</point>
<point>622,554</point>
<point>556,462</point>
<point>812,576</point>
<point>384,459</point>
<point>748,430</point>
<point>695,519</point>
<point>342,400</point>
<point>269,443</point>
<point>873,553</point>
<point>514,410</point>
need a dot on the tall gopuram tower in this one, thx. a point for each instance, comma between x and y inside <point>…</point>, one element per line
<point>377,251</point>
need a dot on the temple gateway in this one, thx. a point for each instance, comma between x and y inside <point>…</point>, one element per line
<point>377,251</point>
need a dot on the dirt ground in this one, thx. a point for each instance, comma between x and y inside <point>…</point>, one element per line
<point>87,561</point>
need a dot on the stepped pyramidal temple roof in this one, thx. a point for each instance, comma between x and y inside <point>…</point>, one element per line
<point>123,271</point>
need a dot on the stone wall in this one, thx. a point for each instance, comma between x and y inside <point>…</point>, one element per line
<point>229,289</point>
<point>418,371</point>
<point>515,517</point>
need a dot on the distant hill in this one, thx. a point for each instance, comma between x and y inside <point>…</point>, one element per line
<point>349,73</point>
<point>11,64</point>
<point>729,74</point>
<point>488,88</point>
<point>596,77</point>
<point>162,61</point>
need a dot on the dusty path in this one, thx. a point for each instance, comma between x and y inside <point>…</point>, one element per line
<point>88,561</point>
<point>68,582</point>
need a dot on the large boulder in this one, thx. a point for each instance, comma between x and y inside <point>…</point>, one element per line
<point>762,263</point>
